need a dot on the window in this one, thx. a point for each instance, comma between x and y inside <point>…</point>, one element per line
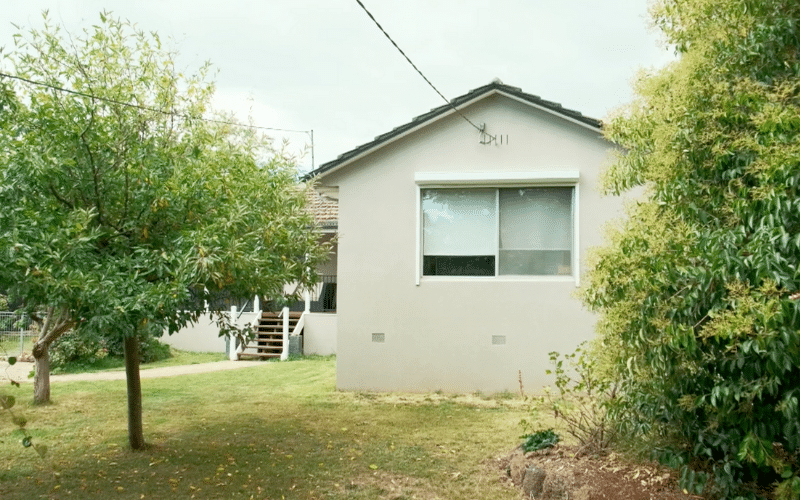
<point>504,231</point>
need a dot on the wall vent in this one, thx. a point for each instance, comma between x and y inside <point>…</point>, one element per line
<point>498,340</point>
<point>379,337</point>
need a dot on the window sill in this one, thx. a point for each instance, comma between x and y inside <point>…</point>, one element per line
<point>496,279</point>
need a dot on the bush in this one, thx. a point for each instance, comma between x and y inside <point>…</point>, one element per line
<point>697,291</point>
<point>584,397</point>
<point>72,349</point>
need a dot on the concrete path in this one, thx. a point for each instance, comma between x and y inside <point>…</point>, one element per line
<point>20,371</point>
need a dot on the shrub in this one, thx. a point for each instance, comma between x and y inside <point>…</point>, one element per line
<point>73,348</point>
<point>583,399</point>
<point>697,291</point>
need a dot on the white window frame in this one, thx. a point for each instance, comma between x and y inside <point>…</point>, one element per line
<point>545,178</point>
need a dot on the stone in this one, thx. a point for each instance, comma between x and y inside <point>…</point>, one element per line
<point>558,484</point>
<point>517,467</point>
<point>584,493</point>
<point>533,482</point>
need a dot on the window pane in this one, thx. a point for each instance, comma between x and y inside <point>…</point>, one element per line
<point>459,222</point>
<point>536,231</point>
<point>447,265</point>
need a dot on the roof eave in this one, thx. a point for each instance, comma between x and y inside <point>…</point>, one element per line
<point>445,111</point>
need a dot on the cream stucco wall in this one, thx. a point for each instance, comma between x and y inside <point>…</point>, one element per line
<point>438,333</point>
<point>329,266</point>
<point>319,334</point>
<point>202,336</point>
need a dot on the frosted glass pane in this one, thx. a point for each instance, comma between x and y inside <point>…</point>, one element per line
<point>459,221</point>
<point>536,262</point>
<point>536,231</point>
<point>536,219</point>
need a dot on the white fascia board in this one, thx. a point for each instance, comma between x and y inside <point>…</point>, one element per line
<point>550,111</point>
<point>491,179</point>
<point>394,139</point>
<point>449,112</point>
<point>330,192</point>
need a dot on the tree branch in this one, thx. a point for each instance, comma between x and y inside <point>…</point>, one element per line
<point>58,197</point>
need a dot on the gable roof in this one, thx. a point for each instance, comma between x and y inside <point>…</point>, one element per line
<point>495,87</point>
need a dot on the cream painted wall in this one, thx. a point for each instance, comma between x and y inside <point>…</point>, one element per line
<point>319,334</point>
<point>329,266</point>
<point>438,334</point>
<point>202,336</point>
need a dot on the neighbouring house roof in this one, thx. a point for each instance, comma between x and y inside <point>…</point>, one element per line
<point>495,87</point>
<point>325,210</point>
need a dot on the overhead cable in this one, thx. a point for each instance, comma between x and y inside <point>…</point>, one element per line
<point>145,108</point>
<point>479,129</point>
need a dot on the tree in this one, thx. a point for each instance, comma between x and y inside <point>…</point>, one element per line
<point>119,198</point>
<point>697,290</point>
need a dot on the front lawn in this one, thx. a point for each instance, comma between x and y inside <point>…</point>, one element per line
<point>273,431</point>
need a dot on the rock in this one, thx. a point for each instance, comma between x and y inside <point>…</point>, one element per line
<point>558,485</point>
<point>584,493</point>
<point>517,467</point>
<point>533,482</point>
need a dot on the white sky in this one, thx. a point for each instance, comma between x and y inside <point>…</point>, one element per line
<point>324,65</point>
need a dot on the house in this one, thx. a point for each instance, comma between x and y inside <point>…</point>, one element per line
<point>462,236</point>
<point>308,326</point>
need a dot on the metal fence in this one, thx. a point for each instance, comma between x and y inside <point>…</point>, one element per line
<point>16,333</point>
<point>324,297</point>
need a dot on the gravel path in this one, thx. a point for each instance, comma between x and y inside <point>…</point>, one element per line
<point>20,371</point>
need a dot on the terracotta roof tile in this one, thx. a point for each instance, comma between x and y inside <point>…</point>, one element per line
<point>325,210</point>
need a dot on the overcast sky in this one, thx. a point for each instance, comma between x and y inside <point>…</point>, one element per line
<point>324,65</point>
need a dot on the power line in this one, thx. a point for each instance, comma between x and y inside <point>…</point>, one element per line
<point>479,129</point>
<point>145,108</point>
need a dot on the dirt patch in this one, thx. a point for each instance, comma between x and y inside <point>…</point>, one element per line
<point>568,476</point>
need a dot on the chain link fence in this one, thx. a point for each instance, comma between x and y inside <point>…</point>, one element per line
<point>16,333</point>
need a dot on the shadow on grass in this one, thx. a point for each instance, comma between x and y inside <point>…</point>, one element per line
<point>232,436</point>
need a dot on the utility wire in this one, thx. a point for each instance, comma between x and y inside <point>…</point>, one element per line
<point>145,108</point>
<point>479,129</point>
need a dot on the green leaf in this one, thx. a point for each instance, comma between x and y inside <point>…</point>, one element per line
<point>7,401</point>
<point>12,360</point>
<point>540,440</point>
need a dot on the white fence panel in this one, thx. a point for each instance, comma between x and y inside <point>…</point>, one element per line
<point>16,333</point>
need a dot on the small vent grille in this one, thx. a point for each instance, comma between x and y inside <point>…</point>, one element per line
<point>498,340</point>
<point>379,337</point>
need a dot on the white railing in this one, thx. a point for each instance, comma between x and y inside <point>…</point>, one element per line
<point>240,319</point>
<point>285,351</point>
<point>298,327</point>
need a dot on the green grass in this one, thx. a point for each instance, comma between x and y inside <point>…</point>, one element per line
<point>9,345</point>
<point>273,431</point>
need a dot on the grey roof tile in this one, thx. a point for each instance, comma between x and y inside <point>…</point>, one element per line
<point>433,113</point>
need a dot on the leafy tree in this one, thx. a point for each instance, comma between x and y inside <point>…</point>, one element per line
<point>697,289</point>
<point>118,198</point>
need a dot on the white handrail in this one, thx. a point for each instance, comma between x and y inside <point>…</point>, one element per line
<point>285,351</point>
<point>299,326</point>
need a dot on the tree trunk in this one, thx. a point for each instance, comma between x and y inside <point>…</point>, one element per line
<point>56,322</point>
<point>135,432</point>
<point>41,375</point>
